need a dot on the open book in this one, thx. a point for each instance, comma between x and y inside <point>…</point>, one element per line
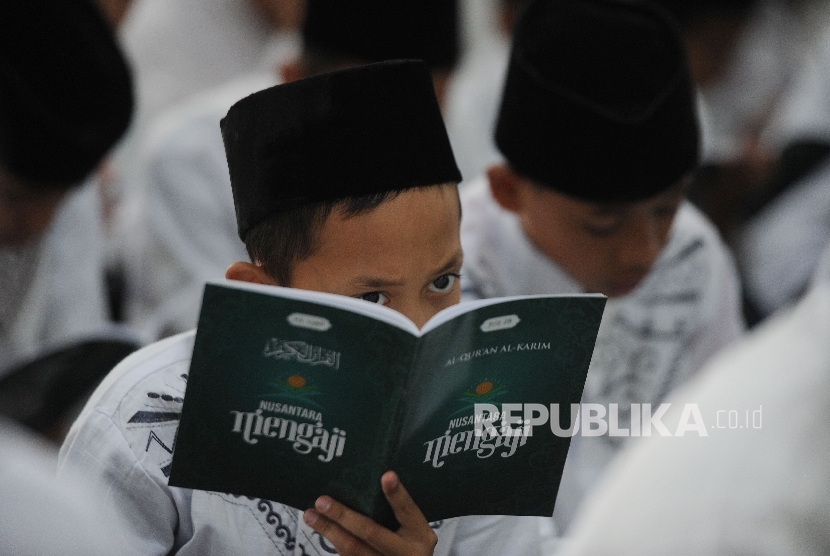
<point>293,394</point>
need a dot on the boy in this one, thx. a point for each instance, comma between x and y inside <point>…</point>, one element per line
<point>62,107</point>
<point>344,183</point>
<point>599,131</point>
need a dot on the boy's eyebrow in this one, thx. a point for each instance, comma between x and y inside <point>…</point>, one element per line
<point>453,263</point>
<point>373,282</point>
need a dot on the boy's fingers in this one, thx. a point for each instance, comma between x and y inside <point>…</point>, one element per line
<point>344,542</point>
<point>413,523</point>
<point>349,529</point>
<point>352,533</point>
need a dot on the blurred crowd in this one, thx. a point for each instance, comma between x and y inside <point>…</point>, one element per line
<point>116,208</point>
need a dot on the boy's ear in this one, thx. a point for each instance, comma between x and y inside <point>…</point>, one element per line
<point>247,272</point>
<point>504,185</point>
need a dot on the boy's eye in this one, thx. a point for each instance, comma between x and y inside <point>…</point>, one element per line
<point>374,297</point>
<point>444,283</point>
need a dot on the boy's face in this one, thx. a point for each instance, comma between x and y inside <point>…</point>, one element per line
<point>405,254</point>
<point>607,248</point>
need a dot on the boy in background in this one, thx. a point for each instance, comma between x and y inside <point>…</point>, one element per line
<point>65,98</point>
<point>600,135</point>
<point>343,183</point>
<point>63,104</point>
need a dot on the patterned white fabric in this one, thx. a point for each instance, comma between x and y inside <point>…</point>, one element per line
<point>125,438</point>
<point>649,341</point>
<point>760,490</point>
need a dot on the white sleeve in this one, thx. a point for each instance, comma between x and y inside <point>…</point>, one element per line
<point>75,518</point>
<point>96,448</point>
<point>495,535</point>
<point>76,265</point>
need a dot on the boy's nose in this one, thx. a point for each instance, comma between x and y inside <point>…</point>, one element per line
<point>641,244</point>
<point>417,312</point>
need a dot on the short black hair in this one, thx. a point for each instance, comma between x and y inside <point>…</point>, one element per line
<point>286,238</point>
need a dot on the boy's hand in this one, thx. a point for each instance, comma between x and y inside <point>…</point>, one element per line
<point>353,534</point>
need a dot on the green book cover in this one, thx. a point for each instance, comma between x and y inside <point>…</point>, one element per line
<point>294,394</point>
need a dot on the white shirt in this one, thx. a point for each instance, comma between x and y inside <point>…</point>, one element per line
<point>804,109</point>
<point>778,248</point>
<point>39,515</point>
<point>179,47</point>
<point>52,289</point>
<point>183,228</point>
<point>822,273</point>
<point>760,489</point>
<point>745,101</point>
<point>473,100</point>
<point>125,436</point>
<point>649,341</point>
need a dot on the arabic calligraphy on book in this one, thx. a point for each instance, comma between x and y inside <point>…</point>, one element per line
<point>301,352</point>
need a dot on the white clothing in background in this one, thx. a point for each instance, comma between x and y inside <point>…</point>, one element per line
<point>180,47</point>
<point>760,489</point>
<point>182,231</point>
<point>650,340</point>
<point>125,435</point>
<point>804,111</point>
<point>744,103</point>
<point>42,516</point>
<point>52,289</point>
<point>822,273</point>
<point>778,248</point>
<point>473,101</point>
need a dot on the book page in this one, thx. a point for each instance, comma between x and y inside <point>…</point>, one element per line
<point>526,357</point>
<point>373,310</point>
<point>289,399</point>
<point>452,312</point>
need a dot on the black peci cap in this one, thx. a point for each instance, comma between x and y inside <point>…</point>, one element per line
<point>377,30</point>
<point>65,90</point>
<point>598,102</point>
<point>342,134</point>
